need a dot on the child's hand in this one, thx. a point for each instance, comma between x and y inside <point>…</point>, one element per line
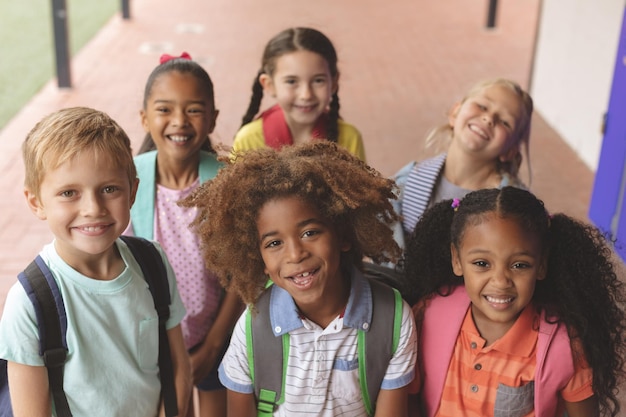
<point>203,360</point>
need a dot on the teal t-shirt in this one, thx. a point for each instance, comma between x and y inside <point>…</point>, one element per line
<point>112,337</point>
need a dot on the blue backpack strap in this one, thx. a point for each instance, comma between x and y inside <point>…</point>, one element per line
<point>267,357</point>
<point>45,295</point>
<point>379,343</point>
<point>154,273</point>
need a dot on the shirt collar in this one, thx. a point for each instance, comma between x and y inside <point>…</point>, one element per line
<point>284,312</point>
<point>517,340</point>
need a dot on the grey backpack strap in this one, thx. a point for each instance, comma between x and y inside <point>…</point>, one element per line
<point>266,356</point>
<point>381,341</point>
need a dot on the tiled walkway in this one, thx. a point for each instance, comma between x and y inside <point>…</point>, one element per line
<point>402,63</point>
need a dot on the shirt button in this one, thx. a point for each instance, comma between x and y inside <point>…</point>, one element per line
<point>277,329</point>
<point>478,367</point>
<point>473,345</point>
<point>366,326</point>
<point>474,388</point>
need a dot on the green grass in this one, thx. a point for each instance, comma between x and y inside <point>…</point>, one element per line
<point>27,60</point>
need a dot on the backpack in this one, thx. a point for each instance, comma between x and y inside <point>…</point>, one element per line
<point>45,295</point>
<point>375,348</point>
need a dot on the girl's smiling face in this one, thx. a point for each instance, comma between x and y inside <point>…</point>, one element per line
<point>500,263</point>
<point>179,115</point>
<point>302,85</point>
<point>487,122</point>
<point>301,252</point>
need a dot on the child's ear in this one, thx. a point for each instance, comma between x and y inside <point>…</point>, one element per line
<point>453,113</point>
<point>542,272</point>
<point>34,204</point>
<point>216,113</point>
<point>335,85</point>
<point>144,120</point>
<point>133,191</point>
<point>510,155</point>
<point>267,84</point>
<point>456,261</point>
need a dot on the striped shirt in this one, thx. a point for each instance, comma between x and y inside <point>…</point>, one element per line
<point>322,369</point>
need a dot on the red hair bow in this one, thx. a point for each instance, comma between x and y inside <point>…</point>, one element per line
<point>165,57</point>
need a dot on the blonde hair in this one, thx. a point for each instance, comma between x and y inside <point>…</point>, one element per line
<point>439,138</point>
<point>62,135</point>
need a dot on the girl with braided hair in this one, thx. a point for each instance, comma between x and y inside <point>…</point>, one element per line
<point>304,218</point>
<point>299,70</point>
<point>520,312</point>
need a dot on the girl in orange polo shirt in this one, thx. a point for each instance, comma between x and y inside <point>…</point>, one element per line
<point>519,311</point>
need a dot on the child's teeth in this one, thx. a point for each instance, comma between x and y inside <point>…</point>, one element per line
<point>178,138</point>
<point>498,300</point>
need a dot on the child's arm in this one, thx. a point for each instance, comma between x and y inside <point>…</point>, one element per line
<point>240,405</point>
<point>392,403</point>
<point>182,370</point>
<point>30,395</point>
<point>203,359</point>
<point>584,408</point>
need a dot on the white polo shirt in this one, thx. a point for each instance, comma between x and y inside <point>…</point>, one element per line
<point>322,372</point>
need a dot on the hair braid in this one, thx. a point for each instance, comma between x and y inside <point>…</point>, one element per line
<point>332,125</point>
<point>255,100</point>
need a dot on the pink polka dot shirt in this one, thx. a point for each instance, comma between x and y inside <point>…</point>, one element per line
<point>199,288</point>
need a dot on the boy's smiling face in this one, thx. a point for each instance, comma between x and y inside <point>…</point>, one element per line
<point>302,253</point>
<point>86,202</point>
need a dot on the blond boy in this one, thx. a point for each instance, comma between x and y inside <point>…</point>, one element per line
<point>81,179</point>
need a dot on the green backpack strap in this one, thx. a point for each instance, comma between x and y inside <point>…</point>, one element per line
<point>266,357</point>
<point>377,345</point>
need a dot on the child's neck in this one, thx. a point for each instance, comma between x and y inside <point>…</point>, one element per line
<point>470,174</point>
<point>489,330</point>
<point>325,310</point>
<point>176,174</point>
<point>300,133</point>
<point>103,267</point>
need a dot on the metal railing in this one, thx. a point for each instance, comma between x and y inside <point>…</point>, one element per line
<point>61,40</point>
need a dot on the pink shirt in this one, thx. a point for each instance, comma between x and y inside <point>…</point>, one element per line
<point>199,288</point>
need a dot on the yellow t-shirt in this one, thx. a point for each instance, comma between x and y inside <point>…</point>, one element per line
<point>250,137</point>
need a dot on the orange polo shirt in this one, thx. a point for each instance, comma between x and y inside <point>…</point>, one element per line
<point>476,370</point>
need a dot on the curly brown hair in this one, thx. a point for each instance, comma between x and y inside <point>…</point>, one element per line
<point>351,195</point>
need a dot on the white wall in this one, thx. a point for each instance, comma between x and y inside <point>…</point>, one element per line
<point>573,69</point>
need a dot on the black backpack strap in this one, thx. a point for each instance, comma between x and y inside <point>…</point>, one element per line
<point>266,357</point>
<point>155,274</point>
<point>44,293</point>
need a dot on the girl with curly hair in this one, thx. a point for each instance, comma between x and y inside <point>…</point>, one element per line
<point>304,218</point>
<point>519,311</point>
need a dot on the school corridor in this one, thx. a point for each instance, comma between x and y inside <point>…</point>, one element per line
<point>402,64</point>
